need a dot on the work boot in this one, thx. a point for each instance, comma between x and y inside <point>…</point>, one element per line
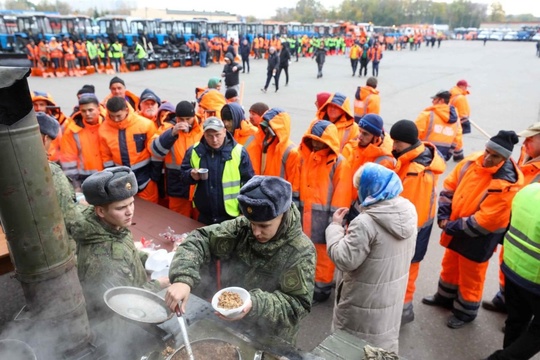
<point>407,316</point>
<point>495,305</point>
<point>319,297</point>
<point>455,323</point>
<point>438,300</point>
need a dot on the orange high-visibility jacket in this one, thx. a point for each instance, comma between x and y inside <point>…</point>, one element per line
<point>419,171</point>
<point>131,98</point>
<point>69,49</point>
<point>476,200</point>
<point>126,143</point>
<point>366,101</point>
<point>380,153</point>
<point>439,125</point>
<point>460,102</point>
<point>529,167</point>
<point>55,49</point>
<point>324,180</point>
<point>347,129</point>
<point>80,148</point>
<point>170,149</point>
<point>279,152</point>
<point>210,99</point>
<point>375,54</point>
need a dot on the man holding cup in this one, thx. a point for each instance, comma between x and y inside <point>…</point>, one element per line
<point>218,167</point>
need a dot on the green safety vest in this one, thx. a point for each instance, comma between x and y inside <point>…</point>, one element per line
<point>522,240</point>
<point>92,50</point>
<point>230,180</point>
<point>116,51</point>
<point>139,51</point>
<point>101,50</point>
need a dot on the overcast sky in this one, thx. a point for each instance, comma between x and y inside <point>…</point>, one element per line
<point>266,8</point>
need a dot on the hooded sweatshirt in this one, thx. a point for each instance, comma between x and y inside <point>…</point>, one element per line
<point>232,77</point>
<point>373,258</point>
<point>244,132</point>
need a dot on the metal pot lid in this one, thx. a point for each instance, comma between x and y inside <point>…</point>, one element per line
<point>16,349</point>
<point>137,304</point>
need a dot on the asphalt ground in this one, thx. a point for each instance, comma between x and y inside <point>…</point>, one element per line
<point>504,95</point>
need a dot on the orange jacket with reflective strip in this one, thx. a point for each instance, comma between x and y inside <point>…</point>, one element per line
<point>126,143</point>
<point>80,149</point>
<point>324,180</point>
<point>460,102</point>
<point>367,101</point>
<point>480,198</point>
<point>439,125</point>
<point>281,153</point>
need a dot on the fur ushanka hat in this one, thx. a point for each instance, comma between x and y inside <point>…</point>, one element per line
<point>264,198</point>
<point>110,185</point>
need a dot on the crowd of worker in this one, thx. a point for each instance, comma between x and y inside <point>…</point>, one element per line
<point>241,175</point>
<point>68,57</point>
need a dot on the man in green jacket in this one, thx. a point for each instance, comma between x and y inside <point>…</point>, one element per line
<point>521,267</point>
<point>107,256</point>
<point>264,251</point>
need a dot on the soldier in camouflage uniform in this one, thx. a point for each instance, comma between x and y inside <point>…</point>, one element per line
<point>49,129</point>
<point>107,256</point>
<point>264,251</point>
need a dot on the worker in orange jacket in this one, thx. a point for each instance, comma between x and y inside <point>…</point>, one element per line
<point>44,102</point>
<point>118,88</point>
<point>210,101</point>
<point>80,155</point>
<point>69,56</point>
<point>529,164</point>
<point>419,166</point>
<point>372,145</point>
<point>367,99</point>
<point>57,56</point>
<point>337,110</point>
<point>123,141</point>
<point>242,130</point>
<point>149,104</point>
<point>323,184</point>
<point>474,212</point>
<point>274,153</point>
<point>459,101</point>
<point>439,125</point>
<point>179,131</point>
<point>375,55</point>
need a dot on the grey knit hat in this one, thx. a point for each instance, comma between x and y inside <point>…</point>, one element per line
<point>263,198</point>
<point>48,125</point>
<point>110,185</point>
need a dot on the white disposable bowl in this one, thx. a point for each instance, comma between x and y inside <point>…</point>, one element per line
<point>232,313</point>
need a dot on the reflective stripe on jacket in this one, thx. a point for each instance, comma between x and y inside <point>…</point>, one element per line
<point>231,179</point>
<point>439,125</point>
<point>521,262</point>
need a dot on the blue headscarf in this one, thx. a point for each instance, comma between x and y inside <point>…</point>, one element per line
<point>377,183</point>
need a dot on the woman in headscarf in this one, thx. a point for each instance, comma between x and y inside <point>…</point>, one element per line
<point>373,256</point>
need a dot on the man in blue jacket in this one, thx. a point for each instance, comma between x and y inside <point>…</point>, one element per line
<point>218,166</point>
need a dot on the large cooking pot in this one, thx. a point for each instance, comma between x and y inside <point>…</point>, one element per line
<point>209,349</point>
<point>137,304</point>
<point>16,349</point>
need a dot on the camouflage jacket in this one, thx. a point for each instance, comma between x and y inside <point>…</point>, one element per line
<point>66,199</point>
<point>107,258</point>
<point>279,274</point>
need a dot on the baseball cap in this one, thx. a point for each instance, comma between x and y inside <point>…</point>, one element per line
<point>213,123</point>
<point>463,83</point>
<point>532,130</point>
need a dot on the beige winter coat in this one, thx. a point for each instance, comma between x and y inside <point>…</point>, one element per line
<point>373,260</point>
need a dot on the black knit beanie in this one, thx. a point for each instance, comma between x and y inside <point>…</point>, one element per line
<point>503,143</point>
<point>406,131</point>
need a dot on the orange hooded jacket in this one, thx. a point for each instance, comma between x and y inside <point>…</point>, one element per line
<point>324,180</point>
<point>274,153</point>
<point>439,125</point>
<point>347,129</point>
<point>379,152</point>
<point>367,101</point>
<point>80,155</point>
<point>125,143</point>
<point>210,100</point>
<point>460,102</point>
<point>419,171</point>
<point>476,201</point>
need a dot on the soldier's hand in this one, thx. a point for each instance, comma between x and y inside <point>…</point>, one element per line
<point>177,292</point>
